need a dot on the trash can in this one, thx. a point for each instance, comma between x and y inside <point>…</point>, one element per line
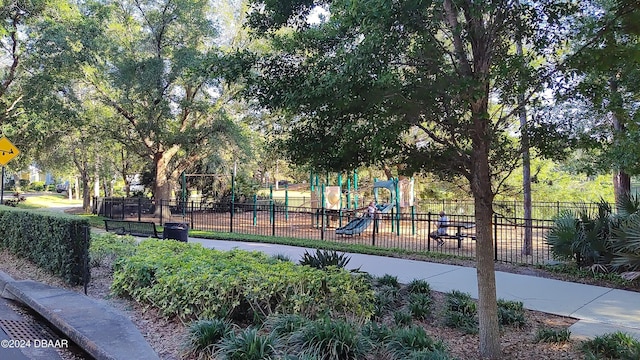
<point>176,231</point>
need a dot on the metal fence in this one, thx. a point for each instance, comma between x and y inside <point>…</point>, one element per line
<point>406,231</point>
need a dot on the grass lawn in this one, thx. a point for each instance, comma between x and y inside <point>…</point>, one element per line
<point>52,200</point>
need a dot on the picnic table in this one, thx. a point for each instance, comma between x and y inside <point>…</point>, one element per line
<point>461,231</point>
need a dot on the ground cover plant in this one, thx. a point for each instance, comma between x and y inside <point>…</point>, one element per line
<point>170,337</point>
<point>189,281</point>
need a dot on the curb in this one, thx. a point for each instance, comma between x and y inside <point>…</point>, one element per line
<point>97,328</point>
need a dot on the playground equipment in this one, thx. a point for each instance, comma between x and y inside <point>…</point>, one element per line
<point>358,225</point>
<point>337,201</point>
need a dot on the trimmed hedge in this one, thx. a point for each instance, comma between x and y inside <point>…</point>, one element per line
<point>191,282</point>
<point>53,241</point>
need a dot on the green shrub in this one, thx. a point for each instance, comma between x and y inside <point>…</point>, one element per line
<point>583,236</point>
<point>386,298</point>
<point>428,355</point>
<point>189,281</point>
<point>626,242</point>
<point>247,345</point>
<point>55,242</point>
<point>402,317</point>
<point>330,339</point>
<point>203,335</point>
<point>419,286</point>
<point>420,305</point>
<point>37,186</point>
<point>617,345</point>
<point>461,312</point>
<point>550,335</point>
<point>511,313</point>
<point>407,341</point>
<point>286,324</point>
<point>376,332</point>
<point>323,259</point>
<point>108,247</point>
<point>388,280</point>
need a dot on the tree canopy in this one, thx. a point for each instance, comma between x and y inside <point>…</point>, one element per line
<point>430,84</point>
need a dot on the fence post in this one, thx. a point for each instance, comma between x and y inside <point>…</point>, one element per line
<point>255,210</point>
<point>191,214</point>
<point>286,202</point>
<point>139,209</point>
<point>159,201</point>
<point>273,219</point>
<point>375,228</point>
<point>413,219</point>
<point>232,205</point>
<point>495,237</point>
<point>429,231</point>
<point>271,199</point>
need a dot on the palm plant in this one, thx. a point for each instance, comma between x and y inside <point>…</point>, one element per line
<point>583,236</point>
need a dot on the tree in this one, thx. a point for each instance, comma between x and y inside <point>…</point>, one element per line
<point>604,74</point>
<point>157,65</point>
<point>16,17</point>
<point>429,83</point>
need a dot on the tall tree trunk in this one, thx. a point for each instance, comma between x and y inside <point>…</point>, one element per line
<point>86,193</point>
<point>527,246</point>
<point>162,189</point>
<point>621,180</point>
<point>487,299</point>
<point>621,185</point>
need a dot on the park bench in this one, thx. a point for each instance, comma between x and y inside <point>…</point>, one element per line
<point>136,228</point>
<point>460,232</point>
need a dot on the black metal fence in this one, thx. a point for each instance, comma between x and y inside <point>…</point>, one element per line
<point>407,230</point>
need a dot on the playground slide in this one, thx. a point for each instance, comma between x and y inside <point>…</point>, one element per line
<point>358,225</point>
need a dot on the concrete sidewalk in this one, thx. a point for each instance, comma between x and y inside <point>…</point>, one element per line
<point>599,310</point>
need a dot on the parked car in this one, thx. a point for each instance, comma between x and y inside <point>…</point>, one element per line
<point>60,188</point>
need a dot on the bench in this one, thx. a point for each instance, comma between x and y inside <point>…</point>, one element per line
<point>459,235</point>
<point>136,228</point>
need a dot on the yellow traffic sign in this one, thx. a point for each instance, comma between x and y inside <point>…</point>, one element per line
<point>7,151</point>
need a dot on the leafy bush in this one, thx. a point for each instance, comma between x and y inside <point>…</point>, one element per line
<point>461,312</point>
<point>203,335</point>
<point>55,242</point>
<point>402,317</point>
<point>37,186</point>
<point>407,342</point>
<point>323,259</point>
<point>386,298</point>
<point>247,345</point>
<point>617,345</point>
<point>330,339</point>
<point>420,305</point>
<point>388,280</point>
<point>189,281</point>
<point>286,324</point>
<point>511,313</point>
<point>376,332</point>
<point>108,247</point>
<point>550,335</point>
<point>584,236</point>
<point>419,286</point>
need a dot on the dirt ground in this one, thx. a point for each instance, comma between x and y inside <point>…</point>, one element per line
<point>166,335</point>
